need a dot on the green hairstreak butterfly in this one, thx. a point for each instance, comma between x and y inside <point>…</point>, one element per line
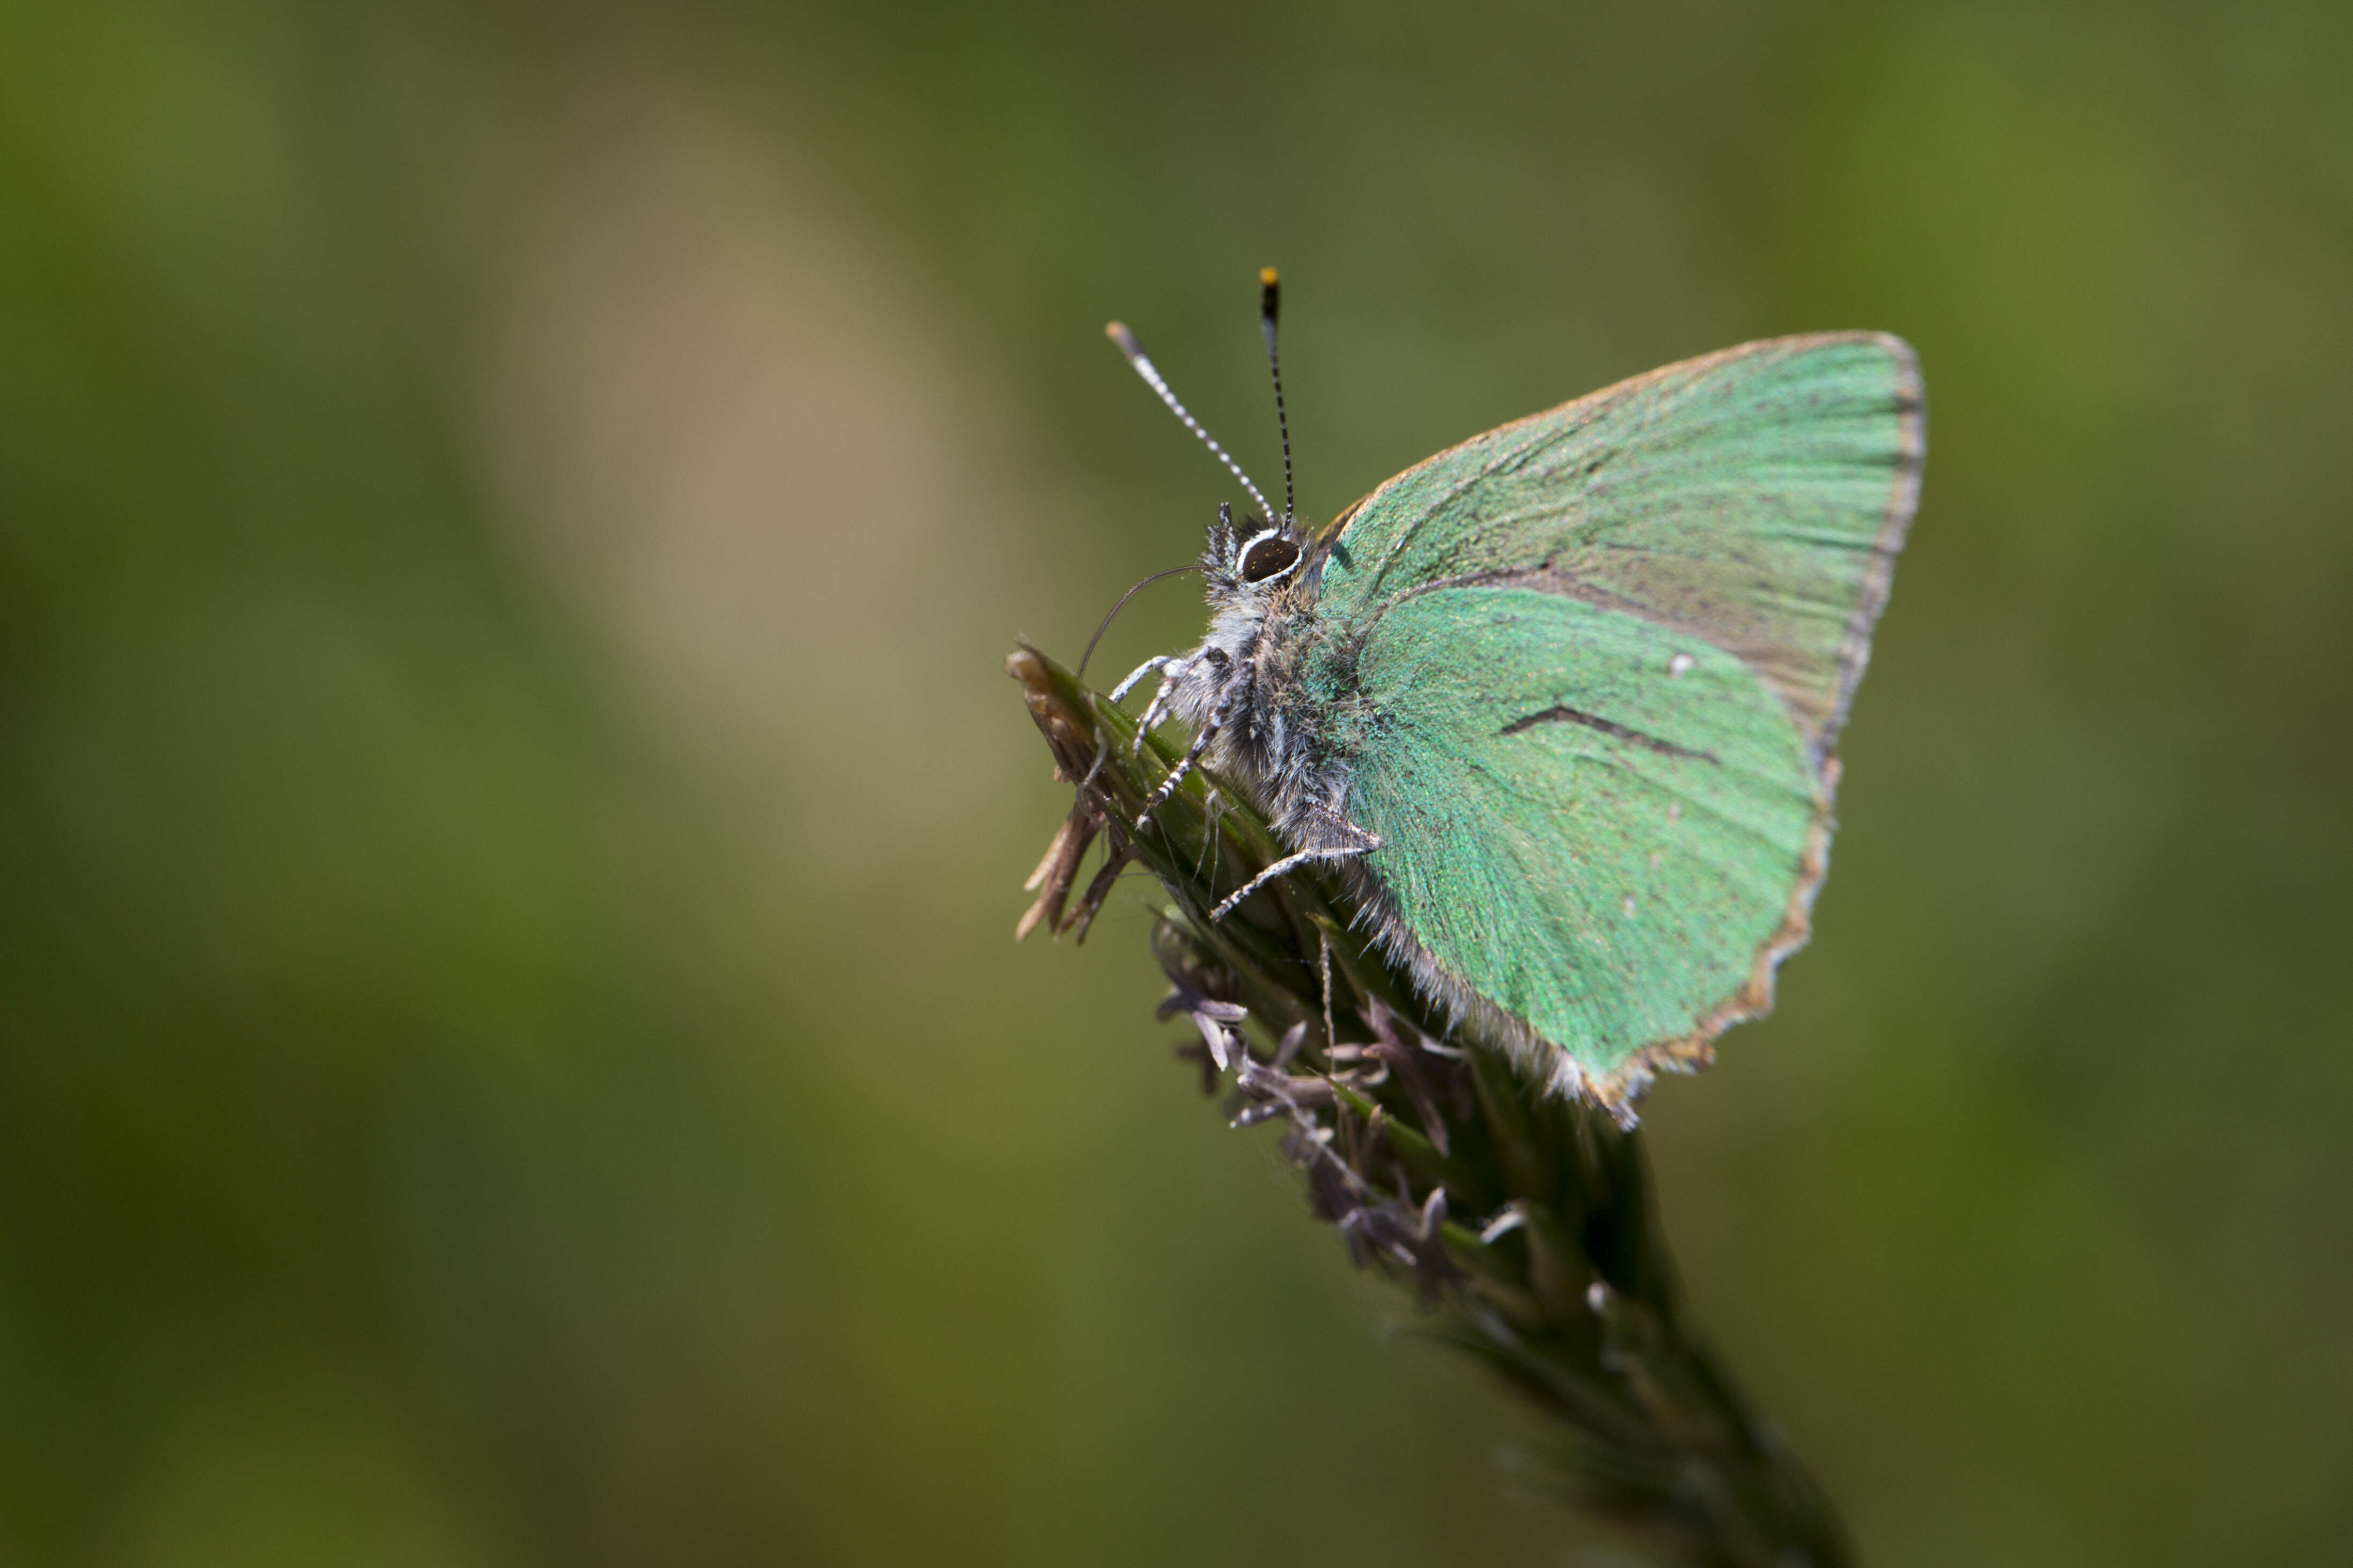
<point>1560,701</point>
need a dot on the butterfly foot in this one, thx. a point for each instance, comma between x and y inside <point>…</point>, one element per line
<point>1143,818</point>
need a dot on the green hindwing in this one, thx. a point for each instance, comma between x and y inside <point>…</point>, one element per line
<point>1600,659</point>
<point>1596,847</point>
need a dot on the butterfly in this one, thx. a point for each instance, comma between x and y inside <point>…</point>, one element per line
<point>1559,702</point>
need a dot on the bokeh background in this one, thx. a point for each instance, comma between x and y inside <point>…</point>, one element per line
<point>510,1046</point>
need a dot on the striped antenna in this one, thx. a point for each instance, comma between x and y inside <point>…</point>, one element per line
<point>1118,333</point>
<point>1270,300</point>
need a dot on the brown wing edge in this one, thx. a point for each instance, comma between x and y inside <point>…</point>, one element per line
<point>1895,527</point>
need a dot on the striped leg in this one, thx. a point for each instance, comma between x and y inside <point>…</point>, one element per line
<point>1289,863</point>
<point>1159,664</point>
<point>1171,668</point>
<point>1209,729</point>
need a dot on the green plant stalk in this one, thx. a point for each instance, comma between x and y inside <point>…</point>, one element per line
<point>1524,1221</point>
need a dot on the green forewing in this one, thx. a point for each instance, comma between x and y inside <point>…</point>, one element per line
<point>1756,498</point>
<point>1600,659</point>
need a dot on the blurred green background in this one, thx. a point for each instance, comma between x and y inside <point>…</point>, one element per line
<point>510,1047</point>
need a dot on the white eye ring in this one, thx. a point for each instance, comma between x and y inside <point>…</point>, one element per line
<point>1273,535</point>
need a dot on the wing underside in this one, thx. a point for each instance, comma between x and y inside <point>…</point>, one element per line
<point>1601,656</point>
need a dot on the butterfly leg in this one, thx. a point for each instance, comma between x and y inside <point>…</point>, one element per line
<point>1211,837</point>
<point>1291,863</point>
<point>1172,669</point>
<point>1157,664</point>
<point>1209,729</point>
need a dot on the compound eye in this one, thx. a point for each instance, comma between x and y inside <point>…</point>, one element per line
<point>1268,555</point>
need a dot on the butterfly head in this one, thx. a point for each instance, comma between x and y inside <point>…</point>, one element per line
<point>1248,562</point>
<point>1246,566</point>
